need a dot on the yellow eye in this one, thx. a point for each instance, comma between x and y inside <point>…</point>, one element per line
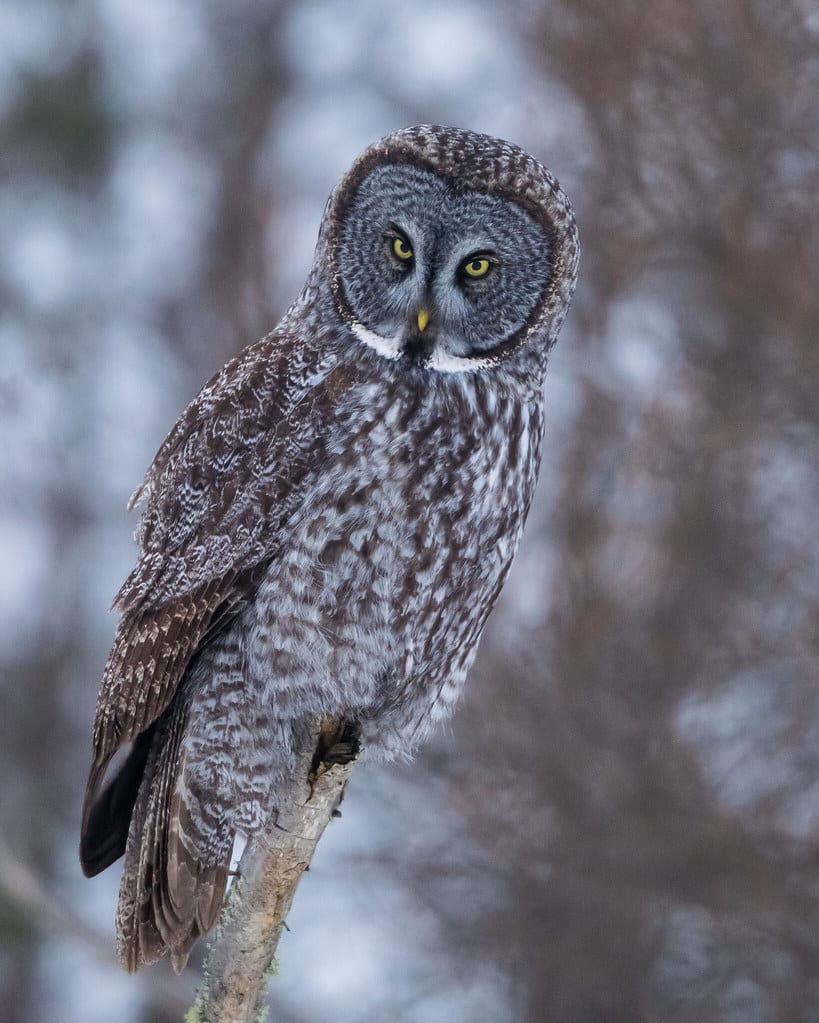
<point>401,249</point>
<point>478,266</point>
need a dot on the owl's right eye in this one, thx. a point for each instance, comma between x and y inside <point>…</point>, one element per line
<point>401,249</point>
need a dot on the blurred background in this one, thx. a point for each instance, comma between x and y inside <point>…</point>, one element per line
<point>621,823</point>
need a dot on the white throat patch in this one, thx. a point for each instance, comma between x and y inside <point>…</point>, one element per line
<point>392,348</point>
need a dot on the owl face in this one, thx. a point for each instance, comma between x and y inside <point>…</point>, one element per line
<point>434,273</point>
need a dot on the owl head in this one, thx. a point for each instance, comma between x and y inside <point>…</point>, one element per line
<point>451,250</point>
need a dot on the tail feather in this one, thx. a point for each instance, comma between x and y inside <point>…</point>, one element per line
<point>137,940</point>
<point>106,820</point>
<point>170,892</point>
<point>196,887</point>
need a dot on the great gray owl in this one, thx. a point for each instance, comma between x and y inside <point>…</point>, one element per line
<point>331,520</point>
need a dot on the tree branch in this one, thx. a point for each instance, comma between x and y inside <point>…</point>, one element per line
<point>243,951</point>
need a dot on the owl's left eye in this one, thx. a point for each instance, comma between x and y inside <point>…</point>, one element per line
<point>476,266</point>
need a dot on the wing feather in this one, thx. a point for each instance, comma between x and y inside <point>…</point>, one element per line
<point>217,498</point>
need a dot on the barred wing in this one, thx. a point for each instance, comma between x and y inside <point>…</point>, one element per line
<point>217,498</point>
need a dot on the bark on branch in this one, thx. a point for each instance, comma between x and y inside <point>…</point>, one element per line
<point>247,935</point>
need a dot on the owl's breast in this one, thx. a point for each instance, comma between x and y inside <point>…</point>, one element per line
<point>400,549</point>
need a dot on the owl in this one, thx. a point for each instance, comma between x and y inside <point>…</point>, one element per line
<point>329,523</point>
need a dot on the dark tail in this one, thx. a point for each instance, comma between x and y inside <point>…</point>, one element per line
<point>170,893</point>
<point>107,819</point>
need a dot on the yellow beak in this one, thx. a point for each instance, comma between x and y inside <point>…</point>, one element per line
<point>423,319</point>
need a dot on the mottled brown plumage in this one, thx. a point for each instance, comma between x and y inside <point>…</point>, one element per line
<point>328,525</point>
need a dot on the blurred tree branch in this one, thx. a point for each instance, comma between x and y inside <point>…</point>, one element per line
<point>22,888</point>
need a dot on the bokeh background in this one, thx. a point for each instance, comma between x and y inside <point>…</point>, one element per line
<point>621,823</point>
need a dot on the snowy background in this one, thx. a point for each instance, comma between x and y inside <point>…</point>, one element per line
<point>621,823</point>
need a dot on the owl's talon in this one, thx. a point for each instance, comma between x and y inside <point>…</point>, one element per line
<point>344,746</point>
<point>343,752</point>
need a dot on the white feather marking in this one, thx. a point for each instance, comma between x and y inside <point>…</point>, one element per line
<point>389,347</point>
<point>441,361</point>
